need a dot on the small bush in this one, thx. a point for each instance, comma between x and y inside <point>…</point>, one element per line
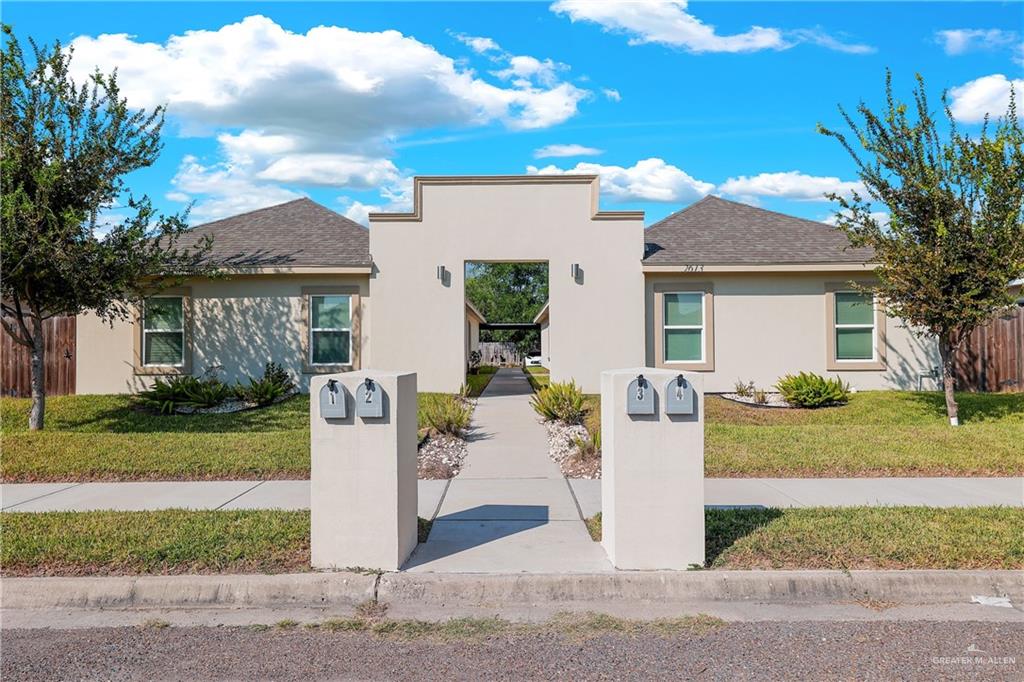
<point>562,402</point>
<point>744,389</point>
<point>811,390</point>
<point>760,395</point>
<point>475,358</point>
<point>446,414</point>
<point>588,447</point>
<point>167,395</point>
<point>275,384</point>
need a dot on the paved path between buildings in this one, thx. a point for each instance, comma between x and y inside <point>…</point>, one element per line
<point>510,509</point>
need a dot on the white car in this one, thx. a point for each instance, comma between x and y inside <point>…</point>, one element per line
<point>534,361</point>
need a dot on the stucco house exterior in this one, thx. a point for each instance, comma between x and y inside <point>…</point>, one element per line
<point>729,290</point>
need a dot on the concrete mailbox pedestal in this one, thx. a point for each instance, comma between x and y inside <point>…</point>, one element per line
<point>363,477</point>
<point>652,480</point>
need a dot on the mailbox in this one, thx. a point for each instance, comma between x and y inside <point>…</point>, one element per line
<point>370,400</point>
<point>640,396</point>
<point>332,400</point>
<point>678,396</point>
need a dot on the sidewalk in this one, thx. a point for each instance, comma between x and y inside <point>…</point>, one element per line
<point>768,492</point>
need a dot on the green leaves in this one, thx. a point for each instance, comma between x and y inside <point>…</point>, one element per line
<point>811,390</point>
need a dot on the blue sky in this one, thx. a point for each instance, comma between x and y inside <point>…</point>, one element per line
<point>345,102</point>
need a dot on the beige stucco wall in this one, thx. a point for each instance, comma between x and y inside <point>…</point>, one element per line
<point>767,325</point>
<point>418,321</point>
<point>545,343</point>
<point>239,323</point>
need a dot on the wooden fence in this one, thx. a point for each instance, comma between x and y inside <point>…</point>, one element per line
<point>15,367</point>
<point>500,354</point>
<point>993,358</point>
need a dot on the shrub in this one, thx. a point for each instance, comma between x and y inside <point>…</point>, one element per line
<point>760,395</point>
<point>474,361</point>
<point>275,383</point>
<point>810,390</point>
<point>446,414</point>
<point>166,395</point>
<point>562,402</point>
<point>744,389</point>
<point>588,447</point>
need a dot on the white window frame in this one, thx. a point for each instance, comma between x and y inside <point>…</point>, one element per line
<point>313,330</point>
<point>181,301</point>
<point>702,327</point>
<point>836,326</point>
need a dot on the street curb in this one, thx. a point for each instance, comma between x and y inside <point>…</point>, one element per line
<point>293,589</point>
<point>486,590</point>
<point>908,587</point>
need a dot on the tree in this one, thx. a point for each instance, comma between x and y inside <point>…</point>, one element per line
<point>954,239</point>
<point>65,151</point>
<point>509,292</point>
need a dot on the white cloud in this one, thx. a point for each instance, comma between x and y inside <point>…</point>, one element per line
<point>563,150</point>
<point>668,23</point>
<point>399,198</point>
<point>525,69</point>
<point>226,190</point>
<point>986,95</point>
<point>478,44</point>
<point>340,170</point>
<point>960,41</point>
<point>612,94</point>
<point>881,217</point>
<point>789,185</point>
<point>349,85</point>
<point>648,180</point>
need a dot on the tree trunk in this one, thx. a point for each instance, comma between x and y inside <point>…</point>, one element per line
<point>946,353</point>
<point>37,415</point>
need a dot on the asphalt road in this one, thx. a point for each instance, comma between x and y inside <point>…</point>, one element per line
<point>738,651</point>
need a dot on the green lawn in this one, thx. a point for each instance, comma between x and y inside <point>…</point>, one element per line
<point>104,437</point>
<point>476,383</point>
<point>539,376</point>
<point>176,541</point>
<point>879,433</point>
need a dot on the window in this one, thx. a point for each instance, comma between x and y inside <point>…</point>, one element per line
<point>854,326</point>
<point>683,326</point>
<point>163,331</point>
<point>330,330</point>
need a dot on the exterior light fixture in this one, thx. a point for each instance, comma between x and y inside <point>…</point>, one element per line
<point>441,273</point>
<point>576,271</point>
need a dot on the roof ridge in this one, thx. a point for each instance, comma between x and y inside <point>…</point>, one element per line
<point>257,210</point>
<point>682,210</point>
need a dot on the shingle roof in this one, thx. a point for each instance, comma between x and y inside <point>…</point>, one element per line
<point>296,233</point>
<point>718,231</point>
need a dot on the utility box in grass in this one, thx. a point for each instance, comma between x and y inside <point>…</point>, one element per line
<point>652,468</point>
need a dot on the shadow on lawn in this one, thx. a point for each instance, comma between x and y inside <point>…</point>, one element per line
<point>724,526</point>
<point>975,407</point>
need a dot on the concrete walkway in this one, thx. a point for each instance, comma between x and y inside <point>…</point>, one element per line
<point>510,509</point>
<point>768,492</point>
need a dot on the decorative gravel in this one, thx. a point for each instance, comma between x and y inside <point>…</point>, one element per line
<point>563,451</point>
<point>774,400</point>
<point>441,457</point>
<point>227,407</point>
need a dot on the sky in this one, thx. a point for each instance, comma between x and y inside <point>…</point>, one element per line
<point>666,101</point>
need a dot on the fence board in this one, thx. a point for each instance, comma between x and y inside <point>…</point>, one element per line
<point>993,357</point>
<point>59,366</point>
<point>500,354</point>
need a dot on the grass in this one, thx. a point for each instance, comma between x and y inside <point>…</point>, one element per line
<point>156,542</point>
<point>107,438</point>
<point>476,383</point>
<point>879,433</point>
<point>273,541</point>
<point>539,377</point>
<point>851,538</point>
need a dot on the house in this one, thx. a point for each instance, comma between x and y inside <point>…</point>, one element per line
<point>729,290</point>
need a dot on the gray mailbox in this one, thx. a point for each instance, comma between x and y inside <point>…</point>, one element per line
<point>370,400</point>
<point>678,396</point>
<point>640,396</point>
<point>332,400</point>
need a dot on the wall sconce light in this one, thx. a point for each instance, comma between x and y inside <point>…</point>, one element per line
<point>441,273</point>
<point>576,271</point>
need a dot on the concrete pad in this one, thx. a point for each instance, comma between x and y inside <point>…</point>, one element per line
<point>273,495</point>
<point>14,494</point>
<point>932,492</point>
<point>536,499</point>
<point>509,547</point>
<point>141,496</point>
<point>429,497</point>
<point>588,495</point>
